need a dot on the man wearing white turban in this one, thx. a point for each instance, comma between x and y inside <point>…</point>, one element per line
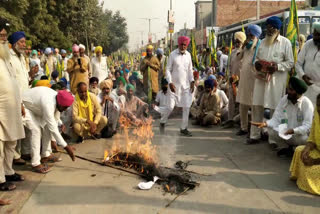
<point>308,62</point>
<point>48,62</point>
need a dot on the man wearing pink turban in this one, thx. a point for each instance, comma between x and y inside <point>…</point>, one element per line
<point>78,69</point>
<point>179,74</point>
<point>43,104</point>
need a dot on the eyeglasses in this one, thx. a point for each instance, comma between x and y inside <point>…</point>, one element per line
<point>3,35</point>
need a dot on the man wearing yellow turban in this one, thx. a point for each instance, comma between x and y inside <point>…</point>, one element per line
<point>99,65</point>
<point>150,64</point>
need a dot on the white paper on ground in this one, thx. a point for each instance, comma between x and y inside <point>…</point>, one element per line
<point>148,185</point>
<point>282,129</point>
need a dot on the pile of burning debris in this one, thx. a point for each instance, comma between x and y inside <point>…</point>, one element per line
<point>138,155</point>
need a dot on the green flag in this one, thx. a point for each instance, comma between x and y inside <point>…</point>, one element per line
<point>293,28</point>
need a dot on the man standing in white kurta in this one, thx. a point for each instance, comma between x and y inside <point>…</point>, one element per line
<point>99,65</point>
<point>308,63</point>
<point>179,75</point>
<point>11,127</point>
<point>247,78</point>
<point>275,57</point>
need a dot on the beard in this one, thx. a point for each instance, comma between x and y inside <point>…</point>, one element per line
<point>18,49</point>
<point>270,39</point>
<point>4,51</point>
<point>316,42</point>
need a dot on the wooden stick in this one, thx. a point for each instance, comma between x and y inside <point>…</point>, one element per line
<point>177,197</point>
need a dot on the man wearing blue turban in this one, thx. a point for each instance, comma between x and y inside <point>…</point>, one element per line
<point>272,63</point>
<point>18,61</point>
<point>209,113</point>
<point>246,83</point>
<point>307,65</point>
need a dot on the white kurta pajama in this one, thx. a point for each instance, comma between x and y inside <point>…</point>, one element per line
<point>22,77</point>
<point>111,110</point>
<point>269,94</point>
<point>300,116</point>
<point>179,72</point>
<point>41,103</point>
<point>99,68</point>
<point>166,104</point>
<point>308,64</point>
<point>246,85</point>
<point>11,127</point>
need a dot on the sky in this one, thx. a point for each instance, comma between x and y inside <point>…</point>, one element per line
<point>134,10</point>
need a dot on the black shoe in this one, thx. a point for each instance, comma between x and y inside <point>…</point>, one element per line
<point>264,136</point>
<point>19,162</point>
<point>252,141</point>
<point>185,132</point>
<point>14,178</point>
<point>79,140</point>
<point>273,146</point>
<point>229,124</point>
<point>241,132</point>
<point>288,152</point>
<point>162,125</point>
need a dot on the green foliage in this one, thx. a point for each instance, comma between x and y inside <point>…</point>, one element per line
<point>60,23</point>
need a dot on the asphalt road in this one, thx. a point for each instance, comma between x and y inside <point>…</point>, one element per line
<point>240,179</point>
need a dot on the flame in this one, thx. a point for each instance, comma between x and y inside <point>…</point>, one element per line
<point>134,140</point>
<point>106,154</point>
<point>167,187</point>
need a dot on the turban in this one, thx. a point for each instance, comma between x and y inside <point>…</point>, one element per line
<point>316,26</point>
<point>149,47</point>
<point>34,83</point>
<point>255,30</point>
<point>82,46</point>
<point>69,49</point>
<point>44,77</point>
<point>133,78</point>
<point>298,85</point>
<point>64,80</point>
<point>63,51</point>
<point>221,74</point>
<point>34,52</point>
<point>4,24</point>
<point>45,83</point>
<point>144,54</point>
<point>75,48</point>
<point>182,39</point>
<point>159,51</point>
<point>54,74</point>
<point>196,74</point>
<point>93,79</point>
<point>302,38</point>
<point>135,74</point>
<point>275,22</point>
<point>209,83</point>
<point>310,37</point>
<point>219,53</point>
<point>64,98</point>
<point>240,36</point>
<point>122,80</point>
<point>33,63</point>
<point>130,86</point>
<point>127,70</point>
<point>62,84</point>
<point>47,51</point>
<point>16,37</point>
<point>56,87</point>
<point>212,77</point>
<point>98,49</point>
<point>56,50</point>
<point>164,81</point>
<point>106,84</point>
<point>140,77</point>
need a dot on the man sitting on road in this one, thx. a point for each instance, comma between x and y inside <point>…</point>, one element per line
<point>296,111</point>
<point>209,106</point>
<point>87,118</point>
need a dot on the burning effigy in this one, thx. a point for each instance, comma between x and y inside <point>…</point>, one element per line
<point>137,153</point>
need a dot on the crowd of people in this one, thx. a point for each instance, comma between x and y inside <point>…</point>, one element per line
<point>54,97</point>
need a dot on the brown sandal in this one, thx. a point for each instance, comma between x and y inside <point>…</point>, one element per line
<point>50,159</point>
<point>42,169</point>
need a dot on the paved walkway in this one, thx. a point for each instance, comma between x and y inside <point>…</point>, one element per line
<point>243,179</point>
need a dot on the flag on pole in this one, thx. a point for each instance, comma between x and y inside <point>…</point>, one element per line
<point>214,50</point>
<point>194,52</point>
<point>293,29</point>
<point>243,30</point>
<point>229,60</point>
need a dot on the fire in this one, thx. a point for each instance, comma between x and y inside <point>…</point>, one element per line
<point>135,139</point>
<point>106,155</point>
